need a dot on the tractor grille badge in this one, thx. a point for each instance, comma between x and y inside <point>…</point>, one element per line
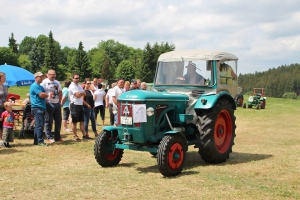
<point>126,111</point>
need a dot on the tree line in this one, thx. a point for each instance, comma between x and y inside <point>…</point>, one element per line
<point>283,81</point>
<point>109,60</point>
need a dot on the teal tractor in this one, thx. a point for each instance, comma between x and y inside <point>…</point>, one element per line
<point>191,104</point>
<point>257,100</point>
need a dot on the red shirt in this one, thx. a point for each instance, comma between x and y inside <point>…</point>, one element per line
<point>8,119</point>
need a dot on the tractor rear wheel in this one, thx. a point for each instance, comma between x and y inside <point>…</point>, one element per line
<point>105,153</point>
<point>216,132</point>
<point>171,155</point>
<point>262,104</point>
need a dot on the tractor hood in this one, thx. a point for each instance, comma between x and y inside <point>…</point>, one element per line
<point>142,95</point>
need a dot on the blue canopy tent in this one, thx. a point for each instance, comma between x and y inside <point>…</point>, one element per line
<point>17,75</point>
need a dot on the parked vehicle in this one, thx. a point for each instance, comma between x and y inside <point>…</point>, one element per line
<point>239,98</point>
<point>182,110</point>
<point>257,100</point>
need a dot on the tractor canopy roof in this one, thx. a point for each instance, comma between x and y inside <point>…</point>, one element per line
<point>193,55</point>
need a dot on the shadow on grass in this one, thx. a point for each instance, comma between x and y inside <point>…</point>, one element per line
<point>193,160</point>
<point>8,151</point>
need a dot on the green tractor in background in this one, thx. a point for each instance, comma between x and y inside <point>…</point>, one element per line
<point>257,100</point>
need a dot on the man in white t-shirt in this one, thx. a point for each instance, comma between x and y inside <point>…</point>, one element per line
<point>99,95</point>
<point>109,103</point>
<point>76,95</point>
<point>53,107</point>
<point>116,92</point>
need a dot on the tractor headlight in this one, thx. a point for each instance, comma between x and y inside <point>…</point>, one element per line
<point>250,99</point>
<point>150,111</point>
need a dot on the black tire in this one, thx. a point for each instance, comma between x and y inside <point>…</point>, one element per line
<point>263,104</point>
<point>249,106</point>
<point>105,153</point>
<point>22,132</point>
<point>171,155</point>
<point>239,100</point>
<point>216,132</point>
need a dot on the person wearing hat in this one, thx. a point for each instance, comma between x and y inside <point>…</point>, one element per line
<point>38,107</point>
<point>192,77</point>
<point>133,85</point>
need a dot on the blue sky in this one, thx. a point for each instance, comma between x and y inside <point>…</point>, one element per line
<point>263,34</point>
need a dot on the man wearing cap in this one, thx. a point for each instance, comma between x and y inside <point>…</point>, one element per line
<point>133,85</point>
<point>38,106</point>
<point>192,77</point>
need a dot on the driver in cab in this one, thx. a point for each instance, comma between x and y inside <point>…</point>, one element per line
<point>192,77</point>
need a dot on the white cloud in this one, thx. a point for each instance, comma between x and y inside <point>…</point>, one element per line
<point>263,34</point>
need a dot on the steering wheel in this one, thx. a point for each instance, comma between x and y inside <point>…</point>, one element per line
<point>178,80</point>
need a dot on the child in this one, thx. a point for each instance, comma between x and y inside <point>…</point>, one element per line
<point>8,120</point>
<point>28,114</point>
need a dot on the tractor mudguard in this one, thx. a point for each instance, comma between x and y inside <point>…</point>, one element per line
<point>182,137</point>
<point>110,128</point>
<point>209,101</point>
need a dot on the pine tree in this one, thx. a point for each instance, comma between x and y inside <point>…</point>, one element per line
<point>81,63</point>
<point>12,43</point>
<point>51,55</point>
<point>33,56</point>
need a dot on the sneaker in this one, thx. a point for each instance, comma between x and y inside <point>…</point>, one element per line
<point>3,145</point>
<point>35,143</point>
<point>67,130</point>
<point>86,137</point>
<point>98,124</point>
<point>60,140</point>
<point>76,138</point>
<point>8,146</point>
<point>42,144</point>
<point>51,141</point>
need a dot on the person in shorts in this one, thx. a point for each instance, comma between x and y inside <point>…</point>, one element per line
<point>8,122</point>
<point>65,103</point>
<point>76,95</point>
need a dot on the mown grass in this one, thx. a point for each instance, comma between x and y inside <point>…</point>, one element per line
<point>265,164</point>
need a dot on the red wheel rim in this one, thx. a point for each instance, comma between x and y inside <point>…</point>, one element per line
<point>175,156</point>
<point>223,131</point>
<point>109,154</point>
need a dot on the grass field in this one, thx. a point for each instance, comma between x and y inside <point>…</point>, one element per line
<point>265,164</point>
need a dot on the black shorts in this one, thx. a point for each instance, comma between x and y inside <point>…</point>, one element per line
<point>76,113</point>
<point>66,113</point>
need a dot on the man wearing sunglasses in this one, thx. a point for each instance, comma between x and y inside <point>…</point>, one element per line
<point>76,95</point>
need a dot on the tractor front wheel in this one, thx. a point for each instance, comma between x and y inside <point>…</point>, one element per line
<point>171,155</point>
<point>104,150</point>
<point>216,128</point>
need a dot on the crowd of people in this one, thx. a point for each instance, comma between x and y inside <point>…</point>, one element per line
<point>74,104</point>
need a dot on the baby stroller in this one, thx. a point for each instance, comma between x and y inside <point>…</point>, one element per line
<point>27,122</point>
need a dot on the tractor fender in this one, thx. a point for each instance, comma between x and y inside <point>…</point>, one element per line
<point>209,101</point>
<point>110,128</point>
<point>181,135</point>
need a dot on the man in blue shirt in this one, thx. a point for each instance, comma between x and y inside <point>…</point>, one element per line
<point>38,107</point>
